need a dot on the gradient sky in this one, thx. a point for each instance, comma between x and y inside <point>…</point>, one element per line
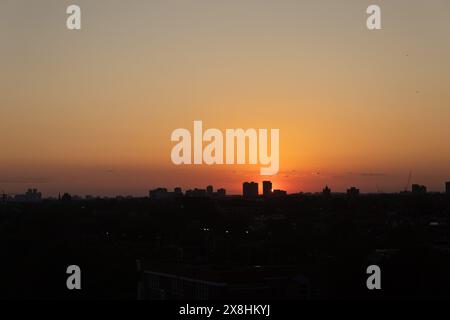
<point>91,111</point>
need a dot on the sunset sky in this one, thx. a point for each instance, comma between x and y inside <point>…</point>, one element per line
<point>92,111</point>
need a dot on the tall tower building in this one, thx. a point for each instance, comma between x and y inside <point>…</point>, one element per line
<point>267,189</point>
<point>250,190</point>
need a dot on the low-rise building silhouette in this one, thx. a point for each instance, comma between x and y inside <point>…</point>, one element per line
<point>196,193</point>
<point>188,282</point>
<point>447,187</point>
<point>66,197</point>
<point>32,195</point>
<point>158,193</point>
<point>221,192</point>
<point>353,192</point>
<point>326,191</point>
<point>418,189</point>
<point>279,193</point>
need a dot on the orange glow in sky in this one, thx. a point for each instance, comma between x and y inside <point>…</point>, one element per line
<point>91,112</point>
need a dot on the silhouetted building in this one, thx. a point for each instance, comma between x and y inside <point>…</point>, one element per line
<point>326,191</point>
<point>447,187</point>
<point>418,189</point>
<point>178,191</point>
<point>221,192</point>
<point>267,189</point>
<point>32,195</point>
<point>209,190</point>
<point>159,193</point>
<point>279,193</point>
<point>66,197</point>
<point>4,197</point>
<point>196,193</point>
<point>187,282</point>
<point>353,192</point>
<point>250,190</point>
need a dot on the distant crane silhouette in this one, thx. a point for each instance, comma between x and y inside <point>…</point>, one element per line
<point>409,181</point>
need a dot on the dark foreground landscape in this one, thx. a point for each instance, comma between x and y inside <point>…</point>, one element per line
<point>292,247</point>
